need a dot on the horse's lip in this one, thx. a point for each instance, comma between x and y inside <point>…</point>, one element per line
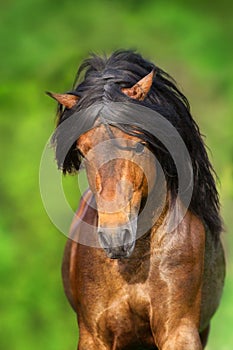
<point>119,256</point>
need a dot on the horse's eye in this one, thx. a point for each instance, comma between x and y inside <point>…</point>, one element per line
<point>139,147</point>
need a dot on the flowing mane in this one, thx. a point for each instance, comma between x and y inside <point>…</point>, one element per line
<point>104,77</point>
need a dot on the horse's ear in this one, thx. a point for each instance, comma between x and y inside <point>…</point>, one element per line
<point>66,100</point>
<point>141,88</point>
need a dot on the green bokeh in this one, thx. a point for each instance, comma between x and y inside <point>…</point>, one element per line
<point>42,43</point>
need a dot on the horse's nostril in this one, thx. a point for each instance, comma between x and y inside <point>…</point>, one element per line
<point>127,240</point>
<point>104,240</point>
<point>127,237</point>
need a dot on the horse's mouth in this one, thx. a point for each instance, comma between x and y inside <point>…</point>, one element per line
<point>120,252</point>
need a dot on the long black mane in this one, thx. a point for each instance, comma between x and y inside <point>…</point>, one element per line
<point>103,79</point>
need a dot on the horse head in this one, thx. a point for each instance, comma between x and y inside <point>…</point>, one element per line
<point>118,166</point>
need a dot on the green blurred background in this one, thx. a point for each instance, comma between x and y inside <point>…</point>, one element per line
<point>42,44</point>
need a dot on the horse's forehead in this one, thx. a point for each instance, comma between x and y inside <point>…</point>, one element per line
<point>100,134</point>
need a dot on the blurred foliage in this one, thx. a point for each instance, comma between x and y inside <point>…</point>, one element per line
<point>42,43</point>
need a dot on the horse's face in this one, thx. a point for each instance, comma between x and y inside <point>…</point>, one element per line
<point>119,169</point>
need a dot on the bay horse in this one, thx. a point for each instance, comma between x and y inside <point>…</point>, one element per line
<point>134,282</point>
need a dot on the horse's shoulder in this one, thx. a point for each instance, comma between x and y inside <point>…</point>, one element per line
<point>83,221</point>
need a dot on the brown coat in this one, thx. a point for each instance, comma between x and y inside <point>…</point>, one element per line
<point>163,295</point>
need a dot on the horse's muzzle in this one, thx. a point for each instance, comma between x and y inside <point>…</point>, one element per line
<point>118,243</point>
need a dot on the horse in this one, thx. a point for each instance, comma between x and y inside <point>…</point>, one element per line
<point>137,273</point>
